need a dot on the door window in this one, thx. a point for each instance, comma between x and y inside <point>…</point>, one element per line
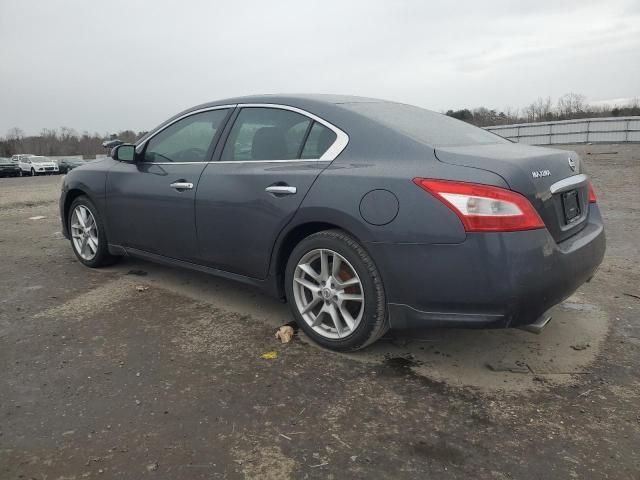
<point>319,140</point>
<point>187,140</point>
<point>266,134</point>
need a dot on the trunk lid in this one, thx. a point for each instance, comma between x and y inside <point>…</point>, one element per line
<point>544,176</point>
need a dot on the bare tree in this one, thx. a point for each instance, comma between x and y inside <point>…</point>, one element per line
<point>512,115</point>
<point>571,105</point>
<point>63,141</point>
<point>15,134</point>
<point>540,110</point>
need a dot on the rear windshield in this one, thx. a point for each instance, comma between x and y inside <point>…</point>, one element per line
<point>425,126</point>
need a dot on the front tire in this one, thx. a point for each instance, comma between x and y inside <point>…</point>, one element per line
<point>33,172</point>
<point>87,234</point>
<point>335,291</point>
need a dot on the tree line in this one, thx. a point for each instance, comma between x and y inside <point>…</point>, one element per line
<point>568,107</point>
<point>60,142</point>
<point>66,141</point>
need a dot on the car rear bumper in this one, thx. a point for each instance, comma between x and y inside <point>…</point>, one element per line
<point>46,169</point>
<point>490,279</point>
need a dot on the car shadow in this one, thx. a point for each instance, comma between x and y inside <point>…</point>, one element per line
<point>497,359</point>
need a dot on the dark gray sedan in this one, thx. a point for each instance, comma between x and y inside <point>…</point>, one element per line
<point>9,168</point>
<point>364,214</point>
<point>67,164</point>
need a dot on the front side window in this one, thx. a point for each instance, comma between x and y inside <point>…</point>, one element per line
<point>187,140</point>
<point>261,133</point>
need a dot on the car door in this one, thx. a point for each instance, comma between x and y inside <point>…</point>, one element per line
<point>270,159</point>
<point>150,202</point>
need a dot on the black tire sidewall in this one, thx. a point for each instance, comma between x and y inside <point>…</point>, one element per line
<point>102,256</point>
<point>374,308</point>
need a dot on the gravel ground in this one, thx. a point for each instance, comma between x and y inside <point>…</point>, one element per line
<point>103,380</point>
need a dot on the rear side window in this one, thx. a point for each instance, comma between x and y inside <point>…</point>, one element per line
<point>425,126</point>
<point>187,140</point>
<point>266,134</point>
<point>319,140</point>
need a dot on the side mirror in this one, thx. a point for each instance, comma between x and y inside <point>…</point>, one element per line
<point>124,153</point>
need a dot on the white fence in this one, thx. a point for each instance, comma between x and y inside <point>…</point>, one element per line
<point>584,130</point>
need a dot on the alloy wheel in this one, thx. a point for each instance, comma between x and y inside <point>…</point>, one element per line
<point>84,232</point>
<point>328,293</point>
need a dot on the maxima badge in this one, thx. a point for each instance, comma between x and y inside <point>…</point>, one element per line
<point>540,173</point>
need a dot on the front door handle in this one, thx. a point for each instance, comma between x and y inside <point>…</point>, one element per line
<point>281,189</point>
<point>182,185</point>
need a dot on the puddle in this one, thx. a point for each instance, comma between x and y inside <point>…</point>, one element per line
<point>397,366</point>
<point>468,358</point>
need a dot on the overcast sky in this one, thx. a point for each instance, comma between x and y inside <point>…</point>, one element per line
<point>111,65</point>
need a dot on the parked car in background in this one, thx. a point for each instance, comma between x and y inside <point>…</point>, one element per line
<point>16,158</point>
<point>364,214</point>
<point>36,165</point>
<point>9,168</point>
<point>65,165</point>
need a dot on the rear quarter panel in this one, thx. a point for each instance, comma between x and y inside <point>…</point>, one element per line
<point>380,160</point>
<point>387,161</point>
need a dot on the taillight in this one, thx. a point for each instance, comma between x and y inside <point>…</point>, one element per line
<point>482,208</point>
<point>592,194</point>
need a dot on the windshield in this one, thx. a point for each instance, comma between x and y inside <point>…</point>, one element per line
<point>425,126</point>
<point>39,159</point>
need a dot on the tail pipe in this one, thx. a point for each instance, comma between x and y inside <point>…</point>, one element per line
<point>538,325</point>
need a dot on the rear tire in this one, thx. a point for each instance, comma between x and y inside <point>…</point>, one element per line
<point>335,291</point>
<point>90,222</point>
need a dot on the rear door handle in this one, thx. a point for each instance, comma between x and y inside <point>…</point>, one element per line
<point>281,189</point>
<point>182,185</point>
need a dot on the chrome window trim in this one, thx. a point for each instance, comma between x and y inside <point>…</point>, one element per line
<point>181,117</point>
<point>336,148</point>
<point>568,183</point>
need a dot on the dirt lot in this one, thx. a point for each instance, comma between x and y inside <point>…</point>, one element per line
<point>102,380</point>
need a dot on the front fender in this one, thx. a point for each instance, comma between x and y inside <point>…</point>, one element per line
<point>89,180</point>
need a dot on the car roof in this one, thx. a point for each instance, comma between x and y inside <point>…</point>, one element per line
<point>295,99</point>
<point>338,110</point>
<point>327,106</point>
